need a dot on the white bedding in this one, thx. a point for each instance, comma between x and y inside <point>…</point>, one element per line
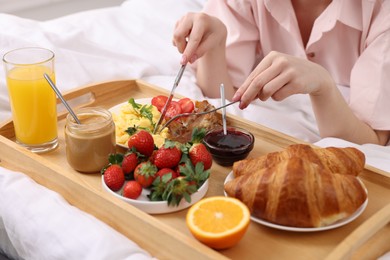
<point>134,41</point>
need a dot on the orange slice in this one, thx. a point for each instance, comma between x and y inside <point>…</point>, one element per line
<point>218,222</point>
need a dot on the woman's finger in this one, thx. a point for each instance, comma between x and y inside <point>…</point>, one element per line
<point>253,85</point>
<point>182,31</point>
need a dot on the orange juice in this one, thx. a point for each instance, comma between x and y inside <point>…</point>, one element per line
<point>33,104</point>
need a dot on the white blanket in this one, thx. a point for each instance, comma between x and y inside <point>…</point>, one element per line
<point>134,41</point>
<point>37,223</point>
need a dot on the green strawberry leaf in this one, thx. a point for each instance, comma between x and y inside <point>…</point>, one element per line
<point>197,135</point>
<point>169,143</point>
<point>187,197</point>
<point>115,158</point>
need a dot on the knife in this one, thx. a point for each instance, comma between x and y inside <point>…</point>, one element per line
<point>164,110</point>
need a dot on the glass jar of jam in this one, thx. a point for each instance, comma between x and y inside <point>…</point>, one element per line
<point>89,144</point>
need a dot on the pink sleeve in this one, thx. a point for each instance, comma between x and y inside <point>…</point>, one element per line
<point>370,78</point>
<point>243,35</point>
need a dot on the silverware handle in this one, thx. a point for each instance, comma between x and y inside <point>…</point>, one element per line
<point>59,95</point>
<point>164,110</point>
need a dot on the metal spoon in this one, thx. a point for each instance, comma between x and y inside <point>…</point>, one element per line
<point>53,86</point>
<point>223,102</point>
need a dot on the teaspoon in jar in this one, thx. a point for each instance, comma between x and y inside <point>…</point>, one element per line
<point>53,86</point>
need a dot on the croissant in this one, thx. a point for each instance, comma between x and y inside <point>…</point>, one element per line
<point>347,160</point>
<point>298,193</point>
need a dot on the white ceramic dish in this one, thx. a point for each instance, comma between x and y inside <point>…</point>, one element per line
<point>337,224</point>
<point>158,207</point>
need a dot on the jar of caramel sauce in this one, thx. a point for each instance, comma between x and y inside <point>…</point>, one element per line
<point>89,144</point>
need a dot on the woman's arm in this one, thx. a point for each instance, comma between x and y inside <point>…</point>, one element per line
<point>335,118</point>
<point>279,76</point>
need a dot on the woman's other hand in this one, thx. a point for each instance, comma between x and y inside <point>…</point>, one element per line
<point>196,34</point>
<point>279,76</point>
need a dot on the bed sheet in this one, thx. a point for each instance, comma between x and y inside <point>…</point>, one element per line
<point>37,223</point>
<point>134,41</point>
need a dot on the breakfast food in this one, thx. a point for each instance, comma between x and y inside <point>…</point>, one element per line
<point>95,135</point>
<point>301,186</point>
<point>227,148</point>
<point>145,116</point>
<point>218,222</point>
<point>167,173</point>
<point>347,160</point>
<point>181,130</point>
<point>140,116</point>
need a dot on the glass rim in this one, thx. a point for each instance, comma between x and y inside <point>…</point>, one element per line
<point>45,60</point>
<point>242,130</point>
<point>89,111</point>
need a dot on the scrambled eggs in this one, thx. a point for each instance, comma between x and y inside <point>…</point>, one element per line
<point>139,116</point>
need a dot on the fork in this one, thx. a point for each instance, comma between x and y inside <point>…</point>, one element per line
<point>195,114</point>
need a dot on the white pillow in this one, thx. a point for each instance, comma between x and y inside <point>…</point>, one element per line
<point>37,223</point>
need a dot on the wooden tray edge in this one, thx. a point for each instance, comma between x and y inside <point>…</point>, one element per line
<point>147,232</point>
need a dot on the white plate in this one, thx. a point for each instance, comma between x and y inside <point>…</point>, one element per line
<point>116,110</point>
<point>337,224</point>
<point>158,207</point>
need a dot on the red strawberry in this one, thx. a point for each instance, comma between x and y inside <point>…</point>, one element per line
<point>165,171</point>
<point>153,156</point>
<point>178,168</point>
<point>130,161</point>
<point>114,177</point>
<point>199,153</point>
<point>143,142</point>
<point>132,190</point>
<point>145,173</point>
<point>167,156</point>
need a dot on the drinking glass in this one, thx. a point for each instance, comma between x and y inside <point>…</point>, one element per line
<point>33,102</point>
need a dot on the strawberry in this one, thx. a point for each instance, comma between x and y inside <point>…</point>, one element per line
<point>161,183</point>
<point>172,191</point>
<point>145,173</point>
<point>178,168</point>
<point>114,177</point>
<point>166,171</point>
<point>168,156</point>
<point>152,157</point>
<point>194,175</point>
<point>129,162</point>
<point>142,141</point>
<point>132,190</point>
<point>198,153</point>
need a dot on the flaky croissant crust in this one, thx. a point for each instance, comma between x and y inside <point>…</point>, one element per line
<point>347,160</point>
<point>299,193</point>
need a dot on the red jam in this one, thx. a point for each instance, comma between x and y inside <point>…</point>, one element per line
<point>226,149</point>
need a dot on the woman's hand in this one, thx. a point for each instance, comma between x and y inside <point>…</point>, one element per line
<point>279,76</point>
<point>196,34</point>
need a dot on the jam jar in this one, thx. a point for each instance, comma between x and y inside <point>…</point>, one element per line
<point>89,144</point>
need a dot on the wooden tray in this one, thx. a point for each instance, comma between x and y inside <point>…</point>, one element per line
<point>166,236</point>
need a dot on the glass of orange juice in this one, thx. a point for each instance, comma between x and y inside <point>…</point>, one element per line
<point>33,102</point>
